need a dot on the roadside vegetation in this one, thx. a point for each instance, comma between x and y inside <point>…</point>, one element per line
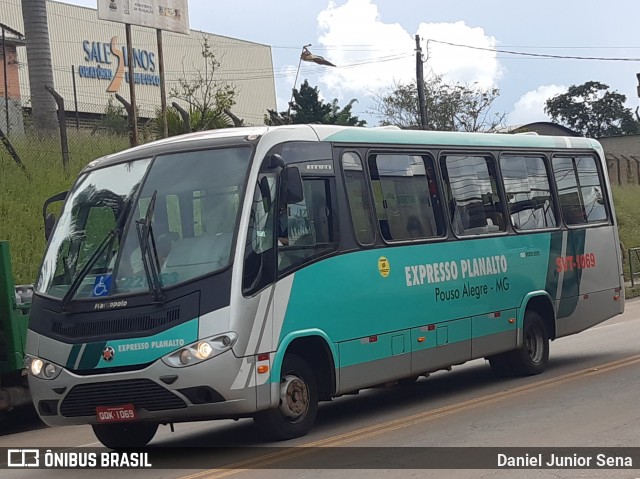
<point>21,199</point>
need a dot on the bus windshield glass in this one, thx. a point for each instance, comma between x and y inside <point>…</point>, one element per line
<point>97,250</point>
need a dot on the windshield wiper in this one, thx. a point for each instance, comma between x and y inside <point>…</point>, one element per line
<point>149,252</point>
<point>77,280</point>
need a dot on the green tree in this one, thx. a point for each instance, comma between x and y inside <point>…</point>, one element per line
<point>592,110</point>
<point>206,96</point>
<point>450,107</point>
<point>307,107</point>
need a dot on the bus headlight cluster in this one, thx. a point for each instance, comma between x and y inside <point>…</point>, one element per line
<point>201,350</point>
<point>41,368</point>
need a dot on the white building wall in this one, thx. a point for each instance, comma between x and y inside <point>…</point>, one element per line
<point>245,65</point>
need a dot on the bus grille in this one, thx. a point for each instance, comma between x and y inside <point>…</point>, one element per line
<point>109,327</point>
<point>83,399</point>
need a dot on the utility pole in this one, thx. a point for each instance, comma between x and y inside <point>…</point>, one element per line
<point>422,107</point>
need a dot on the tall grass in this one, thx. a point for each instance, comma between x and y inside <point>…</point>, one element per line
<point>627,203</point>
<point>21,199</point>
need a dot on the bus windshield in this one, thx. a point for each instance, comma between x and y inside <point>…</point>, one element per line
<point>97,250</point>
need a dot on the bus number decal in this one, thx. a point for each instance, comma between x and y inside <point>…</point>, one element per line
<point>580,261</point>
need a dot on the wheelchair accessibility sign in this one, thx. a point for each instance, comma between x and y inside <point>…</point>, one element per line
<point>102,286</point>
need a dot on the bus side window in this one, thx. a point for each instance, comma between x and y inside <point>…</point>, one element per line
<point>474,202</point>
<point>406,196</point>
<point>361,214</point>
<point>579,190</point>
<point>259,261</point>
<point>528,192</point>
<point>310,226</point>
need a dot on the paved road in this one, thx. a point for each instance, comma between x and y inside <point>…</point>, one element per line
<point>589,397</point>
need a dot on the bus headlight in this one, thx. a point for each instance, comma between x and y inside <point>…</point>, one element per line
<point>201,350</point>
<point>40,368</point>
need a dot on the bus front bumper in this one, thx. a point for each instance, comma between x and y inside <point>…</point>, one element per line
<point>219,388</point>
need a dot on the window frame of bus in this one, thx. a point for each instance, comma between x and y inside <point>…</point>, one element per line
<point>605,192</point>
<point>328,184</point>
<point>367,202</point>
<point>550,181</point>
<point>491,157</point>
<point>411,152</point>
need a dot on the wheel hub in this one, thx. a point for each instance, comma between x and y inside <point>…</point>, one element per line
<point>294,397</point>
<point>533,344</point>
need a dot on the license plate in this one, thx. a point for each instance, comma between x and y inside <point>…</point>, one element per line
<point>126,412</point>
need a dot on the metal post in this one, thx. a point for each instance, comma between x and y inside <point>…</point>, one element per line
<point>294,84</point>
<point>75,95</point>
<point>186,120</point>
<point>420,84</point>
<point>6,82</point>
<point>129,108</point>
<point>163,88</point>
<point>132,88</point>
<point>62,120</point>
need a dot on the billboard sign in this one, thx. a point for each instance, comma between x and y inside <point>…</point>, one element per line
<point>170,15</point>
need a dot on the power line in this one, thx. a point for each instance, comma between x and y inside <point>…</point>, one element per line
<point>537,55</point>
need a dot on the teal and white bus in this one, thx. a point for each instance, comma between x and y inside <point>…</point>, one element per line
<point>253,272</point>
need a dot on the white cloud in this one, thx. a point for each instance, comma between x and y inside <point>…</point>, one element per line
<point>372,55</point>
<point>459,64</point>
<point>530,107</point>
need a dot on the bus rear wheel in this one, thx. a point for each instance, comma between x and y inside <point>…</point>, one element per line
<point>125,435</point>
<point>298,402</point>
<point>532,357</point>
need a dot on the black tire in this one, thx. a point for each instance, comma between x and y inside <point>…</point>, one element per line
<point>298,402</point>
<point>125,435</point>
<point>533,356</point>
<point>501,365</point>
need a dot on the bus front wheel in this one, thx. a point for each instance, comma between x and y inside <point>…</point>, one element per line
<point>125,435</point>
<point>298,402</point>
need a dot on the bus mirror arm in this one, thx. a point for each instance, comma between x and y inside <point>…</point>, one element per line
<point>50,218</point>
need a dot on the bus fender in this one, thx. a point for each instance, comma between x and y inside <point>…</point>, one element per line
<point>523,308</point>
<point>274,379</point>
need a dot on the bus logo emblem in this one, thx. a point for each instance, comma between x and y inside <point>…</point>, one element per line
<point>108,354</point>
<point>383,266</point>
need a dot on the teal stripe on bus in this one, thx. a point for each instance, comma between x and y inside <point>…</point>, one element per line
<point>348,296</point>
<point>426,138</point>
<point>143,350</point>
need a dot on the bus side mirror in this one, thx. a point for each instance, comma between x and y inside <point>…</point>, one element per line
<point>292,185</point>
<point>49,218</point>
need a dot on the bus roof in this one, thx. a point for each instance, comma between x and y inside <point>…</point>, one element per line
<point>355,135</point>
<point>381,135</point>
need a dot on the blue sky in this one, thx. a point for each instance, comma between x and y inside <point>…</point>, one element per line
<point>372,43</point>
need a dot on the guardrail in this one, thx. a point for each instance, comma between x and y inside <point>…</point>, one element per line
<point>634,264</point>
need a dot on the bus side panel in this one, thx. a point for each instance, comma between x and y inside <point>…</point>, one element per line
<point>494,333</point>
<point>594,264</point>
<point>438,346</point>
<point>353,296</point>
<point>374,360</point>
